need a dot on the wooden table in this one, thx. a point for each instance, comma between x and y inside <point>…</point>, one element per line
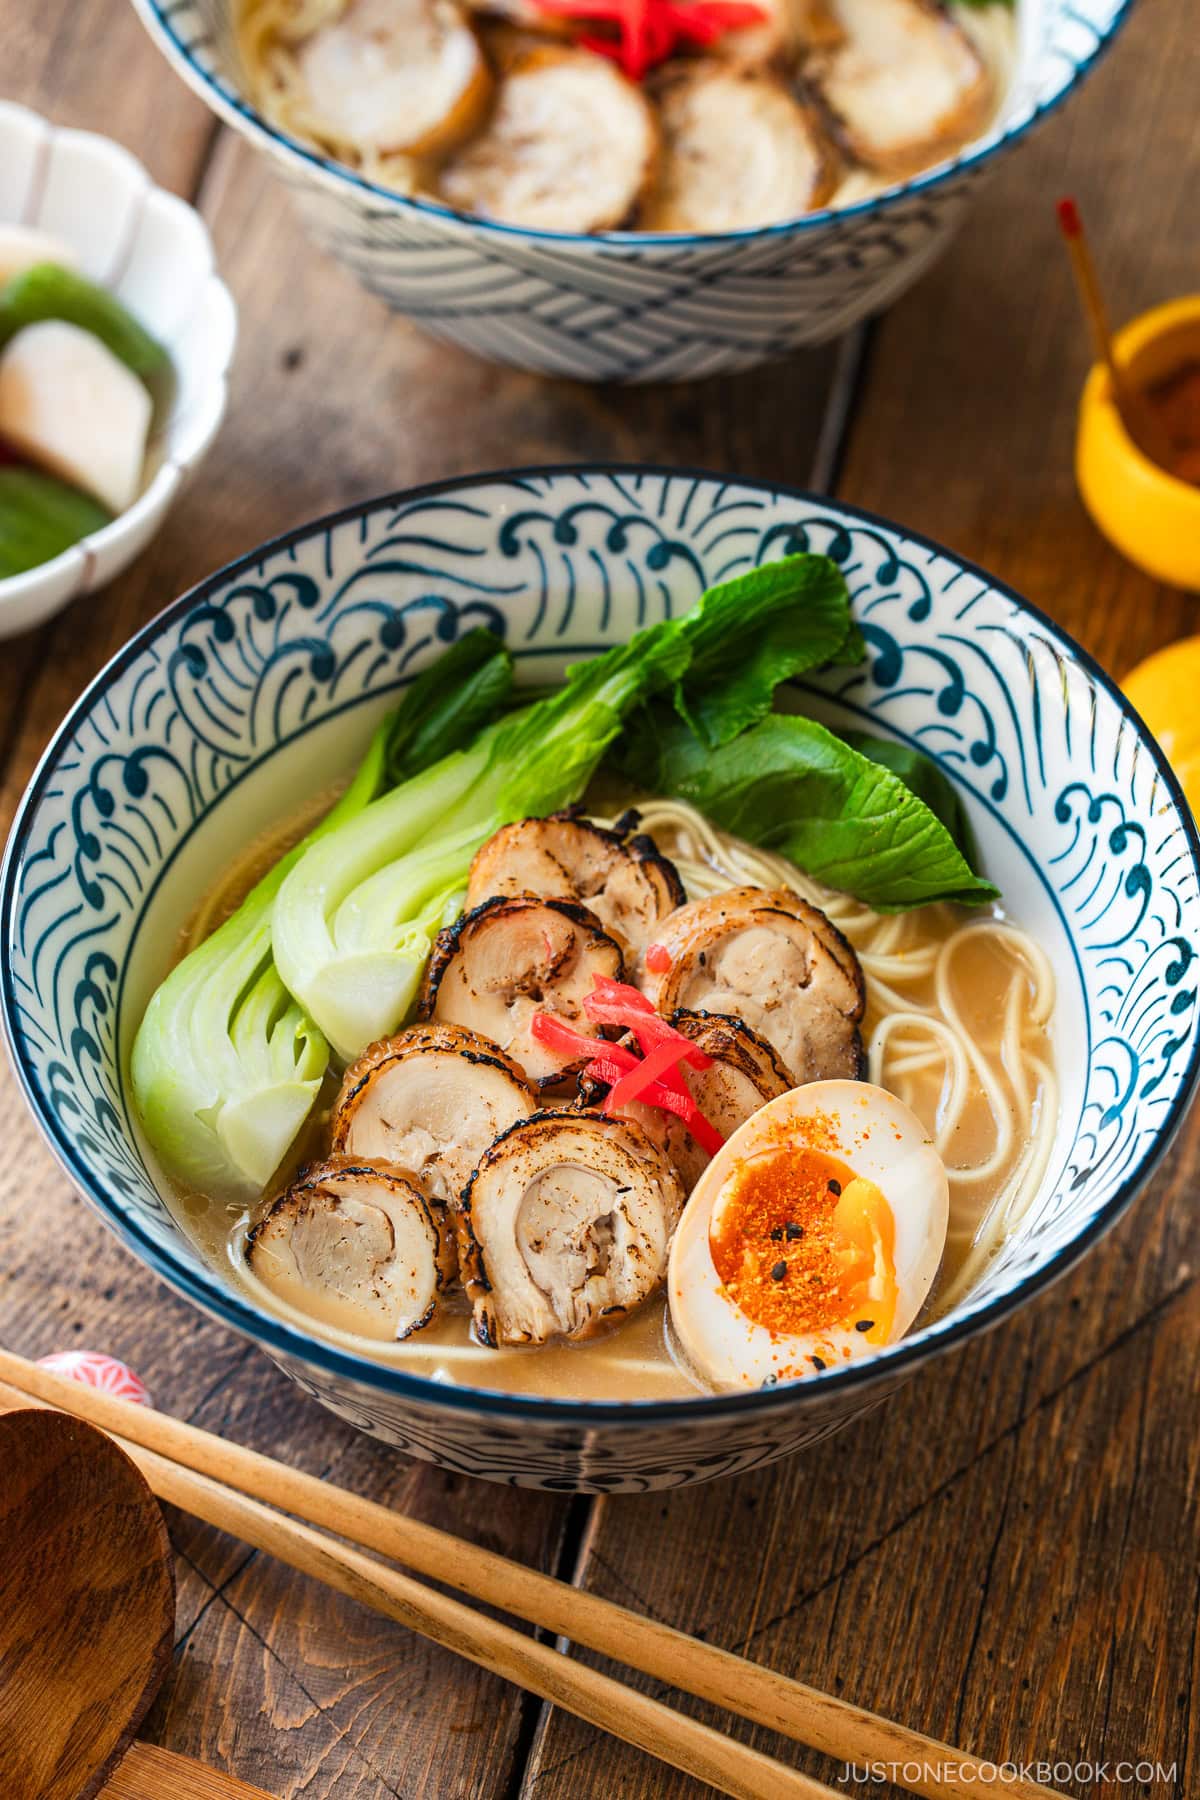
<point>1006,1554</point>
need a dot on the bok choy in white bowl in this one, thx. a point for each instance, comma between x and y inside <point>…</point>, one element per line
<point>115,340</point>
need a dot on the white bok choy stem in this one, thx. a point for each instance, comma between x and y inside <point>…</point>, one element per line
<point>227,1064</point>
<point>355,919</point>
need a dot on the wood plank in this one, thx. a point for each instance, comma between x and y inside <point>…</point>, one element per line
<point>1005,1554</point>
<point>333,400</point>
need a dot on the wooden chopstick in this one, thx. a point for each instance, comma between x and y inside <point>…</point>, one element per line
<point>839,1729</point>
<point>146,1772</point>
<point>686,1744</point>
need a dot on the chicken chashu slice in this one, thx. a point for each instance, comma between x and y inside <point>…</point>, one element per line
<point>744,1075</point>
<point>401,77</point>
<point>357,1246</point>
<point>513,957</point>
<point>509,28</point>
<point>431,1099</point>
<point>567,1226</point>
<point>571,145</point>
<point>746,1072</point>
<point>622,879</point>
<point>774,38</point>
<point>816,24</point>
<point>902,81</point>
<point>770,959</point>
<point>739,150</point>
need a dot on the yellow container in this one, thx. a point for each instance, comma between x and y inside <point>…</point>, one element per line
<point>1153,518</point>
<point>1166,691</point>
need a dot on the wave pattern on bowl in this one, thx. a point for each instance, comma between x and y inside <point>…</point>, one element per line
<point>1064,785</point>
<point>635,306</point>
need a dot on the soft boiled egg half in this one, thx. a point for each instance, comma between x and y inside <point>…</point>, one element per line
<point>812,1239</point>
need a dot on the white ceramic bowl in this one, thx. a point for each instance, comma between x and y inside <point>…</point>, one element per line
<point>635,306</point>
<point>153,251</point>
<point>272,674</point>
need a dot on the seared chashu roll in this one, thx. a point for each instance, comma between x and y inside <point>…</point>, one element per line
<point>902,81</point>
<point>622,879</point>
<point>395,77</point>
<point>511,958</point>
<point>567,1226</point>
<point>357,1246</point>
<point>431,1099</point>
<point>769,958</point>
<point>744,1074</point>
<point>739,150</point>
<point>571,146</point>
<point>816,24</point>
<point>509,28</point>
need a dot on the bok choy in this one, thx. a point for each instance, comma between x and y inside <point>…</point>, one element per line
<point>877,821</point>
<point>355,920</point>
<point>226,1065</point>
<point>356,917</point>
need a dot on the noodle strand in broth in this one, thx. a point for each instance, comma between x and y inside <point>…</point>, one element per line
<point>990,1106</point>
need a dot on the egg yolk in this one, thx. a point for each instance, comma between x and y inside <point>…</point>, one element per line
<point>1164,689</point>
<point>802,1245</point>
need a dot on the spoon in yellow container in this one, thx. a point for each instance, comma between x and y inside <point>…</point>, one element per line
<point>1133,463</point>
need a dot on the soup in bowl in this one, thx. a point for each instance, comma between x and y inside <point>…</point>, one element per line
<point>612,1084</point>
<point>541,188</point>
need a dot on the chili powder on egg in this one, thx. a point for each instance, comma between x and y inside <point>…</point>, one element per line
<point>774,1243</point>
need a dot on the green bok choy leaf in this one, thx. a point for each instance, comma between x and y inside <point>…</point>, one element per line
<point>852,820</point>
<point>356,918</point>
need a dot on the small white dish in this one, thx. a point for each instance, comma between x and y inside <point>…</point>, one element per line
<point>153,251</point>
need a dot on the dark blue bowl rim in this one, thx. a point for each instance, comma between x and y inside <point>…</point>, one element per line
<point>156,15</point>
<point>277,1337</point>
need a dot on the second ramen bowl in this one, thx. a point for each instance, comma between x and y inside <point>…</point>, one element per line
<point>635,306</point>
<point>242,697</point>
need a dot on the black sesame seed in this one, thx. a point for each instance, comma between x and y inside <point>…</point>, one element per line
<point>864,1325</point>
<point>816,1362</point>
<point>777,1235</point>
<point>793,1230</point>
<point>779,1271</point>
<point>835,1187</point>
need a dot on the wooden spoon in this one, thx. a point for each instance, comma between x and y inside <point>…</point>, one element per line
<point>87,1621</point>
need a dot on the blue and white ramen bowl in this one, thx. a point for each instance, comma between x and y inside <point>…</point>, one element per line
<point>636,306</point>
<point>273,673</point>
